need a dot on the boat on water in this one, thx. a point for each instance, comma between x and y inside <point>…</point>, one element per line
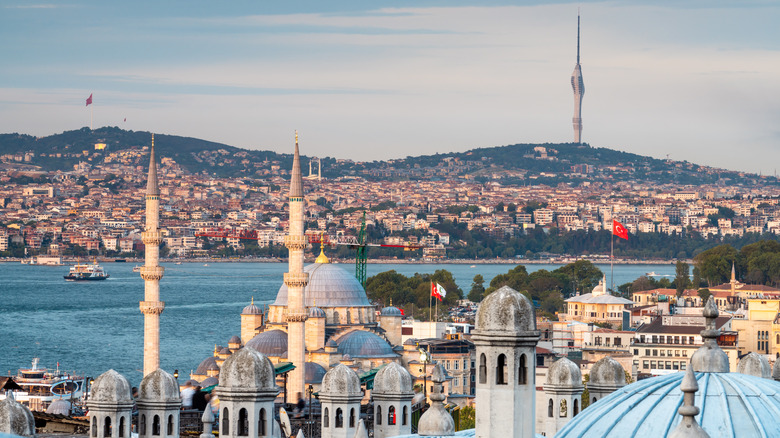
<point>86,272</point>
<point>40,386</point>
<point>136,268</point>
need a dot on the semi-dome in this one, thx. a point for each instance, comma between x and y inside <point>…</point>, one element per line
<point>316,312</point>
<point>391,311</point>
<point>607,372</point>
<point>506,310</point>
<point>564,373</point>
<point>360,343</point>
<point>111,387</point>
<point>203,367</point>
<point>159,386</point>
<point>755,365</point>
<point>314,373</point>
<point>393,379</point>
<point>731,404</point>
<point>271,343</point>
<point>341,381</point>
<point>248,368</point>
<point>329,286</point>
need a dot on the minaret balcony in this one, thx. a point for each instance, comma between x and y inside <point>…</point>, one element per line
<point>295,242</point>
<point>152,272</point>
<point>291,315</point>
<point>294,279</point>
<point>152,307</point>
<point>151,237</point>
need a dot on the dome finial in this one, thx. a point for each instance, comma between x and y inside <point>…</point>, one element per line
<point>436,421</point>
<point>253,301</point>
<point>688,426</point>
<point>322,258</point>
<point>709,358</point>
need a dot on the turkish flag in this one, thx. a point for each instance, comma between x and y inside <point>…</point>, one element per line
<point>619,230</point>
<point>435,291</point>
<point>89,100</point>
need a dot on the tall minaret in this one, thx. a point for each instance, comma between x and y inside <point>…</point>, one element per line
<point>152,272</point>
<point>579,91</point>
<point>296,280</point>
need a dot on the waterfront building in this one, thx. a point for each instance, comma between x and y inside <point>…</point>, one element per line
<point>599,306</point>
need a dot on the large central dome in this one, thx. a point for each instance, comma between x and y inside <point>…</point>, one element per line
<point>329,286</point>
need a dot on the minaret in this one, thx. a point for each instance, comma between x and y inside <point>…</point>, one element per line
<point>296,280</point>
<point>579,91</point>
<point>152,272</point>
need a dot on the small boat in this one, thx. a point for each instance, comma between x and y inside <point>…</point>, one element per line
<point>473,266</point>
<point>40,386</point>
<point>136,268</point>
<point>205,264</point>
<point>177,263</point>
<point>651,274</point>
<point>86,272</point>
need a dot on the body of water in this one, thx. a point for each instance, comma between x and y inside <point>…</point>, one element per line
<point>91,327</point>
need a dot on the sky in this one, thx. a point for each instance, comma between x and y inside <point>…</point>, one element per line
<point>373,80</point>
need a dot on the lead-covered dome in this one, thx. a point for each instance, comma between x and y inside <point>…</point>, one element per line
<point>607,372</point>
<point>271,343</point>
<point>204,365</point>
<point>564,373</point>
<point>391,311</point>
<point>15,419</point>
<point>329,286</point>
<point>506,310</point>
<point>111,387</point>
<point>731,404</point>
<point>360,343</point>
<point>316,312</point>
<point>314,373</point>
<point>159,386</point>
<point>755,365</point>
<point>251,309</point>
<point>249,369</point>
<point>341,381</point>
<point>393,379</point>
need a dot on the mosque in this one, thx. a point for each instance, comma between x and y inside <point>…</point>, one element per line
<point>706,400</point>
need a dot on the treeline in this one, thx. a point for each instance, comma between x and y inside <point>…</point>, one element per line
<point>757,263</point>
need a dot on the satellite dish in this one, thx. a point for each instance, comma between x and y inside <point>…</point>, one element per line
<point>284,421</point>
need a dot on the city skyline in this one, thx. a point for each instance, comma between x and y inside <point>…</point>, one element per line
<point>693,80</point>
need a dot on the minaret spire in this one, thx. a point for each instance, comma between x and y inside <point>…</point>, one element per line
<point>151,181</point>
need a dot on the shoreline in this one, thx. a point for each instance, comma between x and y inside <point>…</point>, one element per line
<point>551,261</point>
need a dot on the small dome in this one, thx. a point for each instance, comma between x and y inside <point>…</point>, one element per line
<point>391,311</point>
<point>329,286</point>
<point>224,350</point>
<point>159,386</point>
<point>271,343</point>
<point>341,381</point>
<point>204,366</point>
<point>316,312</point>
<point>234,340</point>
<point>111,387</point>
<point>346,358</point>
<point>393,379</point>
<point>314,373</point>
<point>564,373</point>
<point>506,310</point>
<point>15,418</point>
<point>213,367</point>
<point>58,407</point>
<point>607,372</point>
<point>331,343</point>
<point>248,368</point>
<point>210,381</point>
<point>755,365</point>
<point>360,343</point>
<point>251,309</point>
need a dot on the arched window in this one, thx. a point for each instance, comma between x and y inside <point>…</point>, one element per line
<point>564,409</point>
<point>121,427</point>
<point>391,416</point>
<point>378,415</point>
<point>94,426</point>
<point>156,425</point>
<point>339,418</point>
<point>336,317</point>
<point>242,428</point>
<point>225,422</point>
<point>325,419</point>
<point>550,408</point>
<point>352,417</point>
<point>482,368</point>
<point>778,339</point>
<point>501,370</point>
<point>522,372</point>
<point>107,426</point>
<point>142,424</point>
<point>261,423</point>
<point>594,400</point>
<point>170,425</point>
<point>349,317</point>
<point>576,407</point>
<point>403,417</point>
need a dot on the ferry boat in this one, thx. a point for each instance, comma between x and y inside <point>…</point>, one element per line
<point>40,387</point>
<point>85,272</point>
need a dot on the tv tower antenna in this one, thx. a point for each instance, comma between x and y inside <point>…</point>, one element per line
<point>579,90</point>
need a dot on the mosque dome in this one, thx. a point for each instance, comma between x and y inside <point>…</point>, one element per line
<point>159,386</point>
<point>59,407</point>
<point>248,368</point>
<point>329,286</point>
<point>234,340</point>
<point>731,404</point>
<point>271,343</point>
<point>210,381</point>
<point>341,381</point>
<point>213,367</point>
<point>393,379</point>
<point>391,311</point>
<point>316,312</point>
<point>564,372</point>
<point>204,366</point>
<point>251,309</point>
<point>331,343</point>
<point>111,387</point>
<point>360,343</point>
<point>314,373</point>
<point>754,365</point>
<point>506,310</point>
<point>607,372</point>
<point>224,350</point>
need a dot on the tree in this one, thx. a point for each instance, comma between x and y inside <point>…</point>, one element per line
<point>682,277</point>
<point>704,294</point>
<point>642,283</point>
<point>715,264</point>
<point>466,418</point>
<point>477,289</point>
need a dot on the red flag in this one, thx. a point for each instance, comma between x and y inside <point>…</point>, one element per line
<point>89,99</point>
<point>435,291</point>
<point>619,230</point>
<point>402,312</point>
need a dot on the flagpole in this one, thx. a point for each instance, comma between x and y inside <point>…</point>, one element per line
<point>430,316</point>
<point>91,111</point>
<point>612,261</point>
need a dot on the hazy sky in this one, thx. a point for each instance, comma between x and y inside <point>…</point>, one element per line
<point>697,80</point>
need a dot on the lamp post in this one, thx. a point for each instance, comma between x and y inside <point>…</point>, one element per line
<point>425,358</point>
<point>176,375</point>
<point>310,391</point>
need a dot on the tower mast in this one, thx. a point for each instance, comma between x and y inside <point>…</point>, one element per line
<point>579,91</point>
<point>152,272</point>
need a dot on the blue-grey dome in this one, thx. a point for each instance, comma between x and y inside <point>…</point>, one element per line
<point>329,286</point>
<point>271,343</point>
<point>730,404</point>
<point>251,309</point>
<point>391,311</point>
<point>204,366</point>
<point>316,312</point>
<point>314,373</point>
<point>359,343</point>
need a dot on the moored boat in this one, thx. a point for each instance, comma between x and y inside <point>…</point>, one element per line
<point>40,386</point>
<point>86,272</point>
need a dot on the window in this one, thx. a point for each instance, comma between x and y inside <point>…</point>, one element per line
<point>391,416</point>
<point>142,425</point>
<point>669,353</point>
<point>645,364</point>
<point>501,370</point>
<point>261,422</point>
<point>225,422</point>
<point>170,425</point>
<point>456,363</point>
<point>94,426</point>
<point>685,353</point>
<point>550,408</point>
<point>523,371</point>
<point>352,417</point>
<point>655,352</point>
<point>107,426</point>
<point>482,368</point>
<point>652,364</point>
<point>662,353</point>
<point>403,417</point>
<point>378,415</point>
<point>339,418</point>
<point>325,419</point>
<point>122,426</point>
<point>447,364</point>
<point>242,428</point>
<point>156,425</point>
<point>636,352</point>
<point>576,407</point>
<point>682,366</point>
<point>647,352</point>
